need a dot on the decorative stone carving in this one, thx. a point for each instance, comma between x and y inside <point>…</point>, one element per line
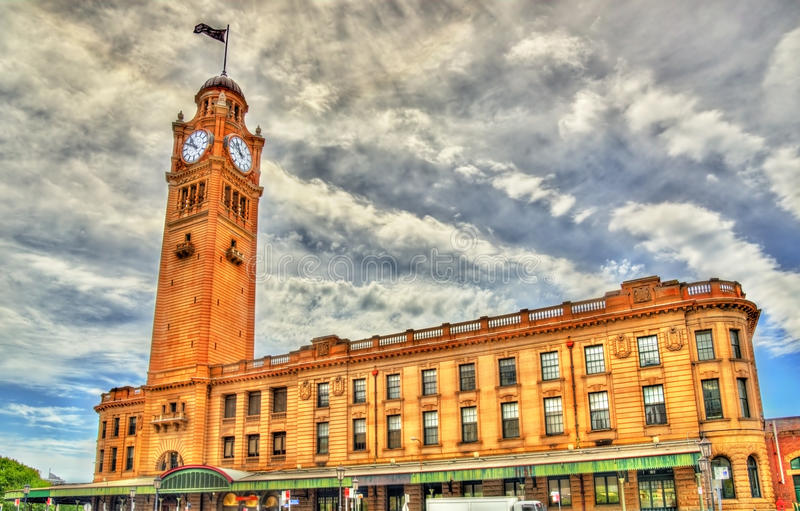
<point>675,338</point>
<point>338,386</point>
<point>323,349</point>
<point>641,294</point>
<point>621,345</point>
<point>305,390</point>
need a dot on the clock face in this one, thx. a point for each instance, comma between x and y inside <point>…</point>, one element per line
<point>196,145</point>
<point>240,153</point>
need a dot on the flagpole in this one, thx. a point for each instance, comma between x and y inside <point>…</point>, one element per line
<point>225,59</point>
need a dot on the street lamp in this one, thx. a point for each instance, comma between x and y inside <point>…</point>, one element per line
<point>26,490</point>
<point>704,463</point>
<point>621,488</point>
<point>340,476</point>
<point>355,494</point>
<point>156,485</point>
<point>133,497</point>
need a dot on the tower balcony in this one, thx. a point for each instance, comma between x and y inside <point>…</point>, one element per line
<point>165,420</point>
<point>184,249</point>
<point>234,256</point>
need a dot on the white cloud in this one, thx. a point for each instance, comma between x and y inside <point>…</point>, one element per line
<point>782,168</point>
<point>706,243</point>
<point>557,48</point>
<point>585,117</point>
<point>781,84</point>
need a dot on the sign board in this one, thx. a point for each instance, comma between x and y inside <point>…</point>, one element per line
<point>716,484</point>
<point>555,496</point>
<point>347,493</point>
<point>294,502</point>
<point>722,473</point>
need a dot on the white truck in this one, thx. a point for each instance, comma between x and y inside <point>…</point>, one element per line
<point>483,504</point>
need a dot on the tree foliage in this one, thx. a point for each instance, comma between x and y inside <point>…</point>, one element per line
<point>14,475</point>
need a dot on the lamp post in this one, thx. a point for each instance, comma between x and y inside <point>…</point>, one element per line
<point>26,490</point>
<point>156,485</point>
<point>705,465</point>
<point>133,497</point>
<point>355,494</point>
<point>621,489</point>
<point>340,476</point>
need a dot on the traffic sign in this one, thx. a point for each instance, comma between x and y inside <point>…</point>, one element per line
<point>294,502</point>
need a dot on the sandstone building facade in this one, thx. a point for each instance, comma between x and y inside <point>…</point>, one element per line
<point>598,404</point>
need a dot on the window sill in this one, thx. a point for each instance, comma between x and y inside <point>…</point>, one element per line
<point>718,419</point>
<point>695,362</point>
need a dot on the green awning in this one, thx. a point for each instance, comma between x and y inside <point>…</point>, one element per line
<point>556,469</point>
<point>290,484</point>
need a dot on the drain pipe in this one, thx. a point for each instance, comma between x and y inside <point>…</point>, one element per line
<point>778,449</point>
<point>570,344</point>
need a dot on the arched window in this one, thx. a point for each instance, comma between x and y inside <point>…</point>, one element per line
<point>752,474</point>
<point>168,460</point>
<point>728,491</point>
<point>795,464</point>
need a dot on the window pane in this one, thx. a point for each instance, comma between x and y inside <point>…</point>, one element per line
<point>230,406</point>
<point>744,404</point>
<point>359,434</point>
<point>393,386</point>
<point>752,474</point>
<point>550,365</point>
<point>654,409</point>
<point>323,397</point>
<point>510,414</point>
<point>429,382</point>
<point>553,421</point>
<point>393,431</point>
<point>430,421</point>
<point>360,390</point>
<point>705,345</point>
<point>466,374</point>
<point>469,424</point>
<point>711,399</point>
<point>254,403</point>
<point>322,438</point>
<point>508,371</point>
<point>598,409</point>
<point>736,350</point>
<point>648,351</point>
<point>279,400</point>
<point>595,363</point>
<point>728,489</point>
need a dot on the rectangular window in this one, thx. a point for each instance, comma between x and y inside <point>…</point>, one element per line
<point>279,400</point>
<point>744,404</point>
<point>392,386</point>
<point>606,489</point>
<point>116,427</point>
<point>252,445</point>
<point>508,371</point>
<point>429,387</point>
<point>129,458</point>
<point>514,487</point>
<point>553,416</point>
<point>560,485</point>
<point>466,377</point>
<point>254,403</point>
<point>393,432</point>
<point>595,362</point>
<point>100,457</point>
<point>360,390</point>
<point>430,422</point>
<point>323,395</point>
<point>648,351</point>
<point>113,459</point>
<point>598,408</point>
<point>736,349</point>
<point>472,489</point>
<point>712,399</point>
<point>510,414</point>
<point>230,406</point>
<point>550,365</point>
<point>131,426</point>
<point>705,345</point>
<point>322,438</point>
<point>103,429</point>
<point>469,424</point>
<point>227,447</point>
<point>359,434</point>
<point>279,443</point>
<point>655,412</point>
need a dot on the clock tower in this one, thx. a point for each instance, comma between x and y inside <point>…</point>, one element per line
<point>205,303</point>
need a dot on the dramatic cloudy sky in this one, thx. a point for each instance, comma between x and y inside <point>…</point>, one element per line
<point>486,156</point>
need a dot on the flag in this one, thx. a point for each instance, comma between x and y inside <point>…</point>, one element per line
<point>218,34</point>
